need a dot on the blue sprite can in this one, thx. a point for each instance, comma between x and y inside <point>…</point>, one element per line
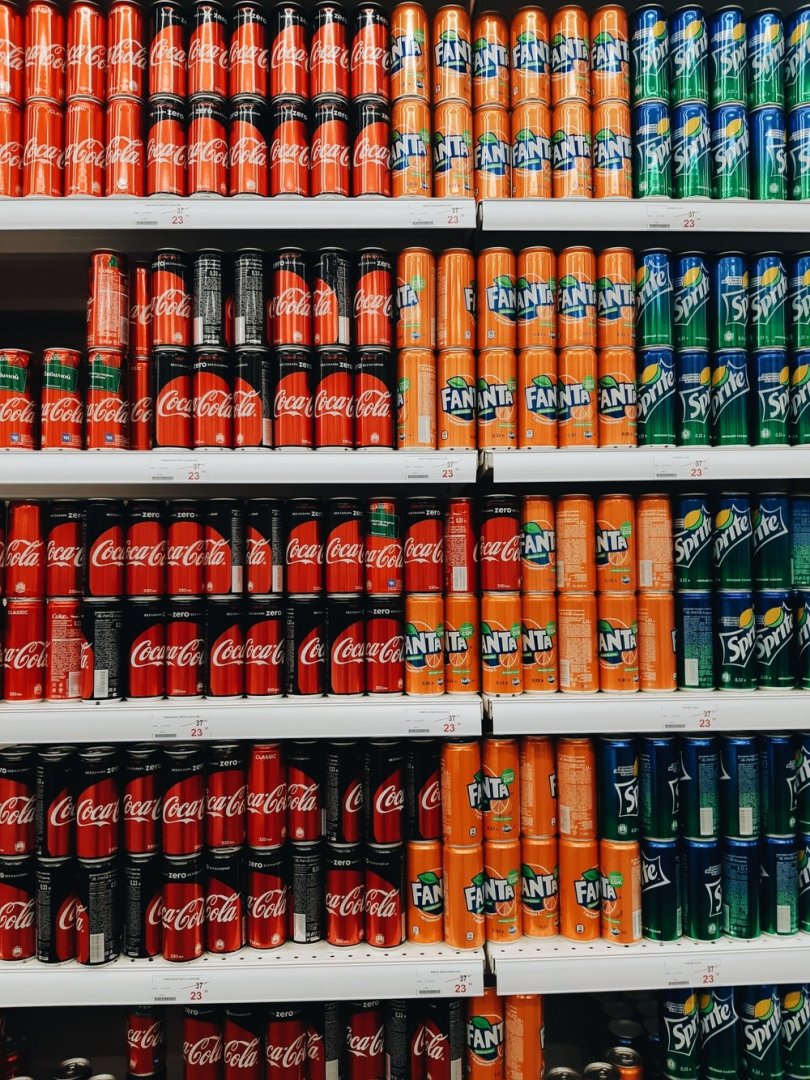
<point>734,640</point>
<point>732,540</point>
<point>661,916</point>
<point>780,761</point>
<point>768,288</point>
<point>800,399</point>
<point>730,399</point>
<point>728,52</point>
<point>695,641</point>
<point>741,888</point>
<point>804,882</point>
<point>798,144</point>
<point>691,147</point>
<point>692,542</point>
<point>770,375</point>
<point>799,289</point>
<point>652,150</point>
<point>803,782</point>
<point>618,789</point>
<point>771,538</point>
<point>702,889</point>
<point>700,787</point>
<point>800,541</point>
<point>740,803</point>
<point>655,395</point>
<point>797,60</point>
<point>680,1023</point>
<point>773,649</point>
<point>768,153</point>
<point>689,54</point>
<point>694,379</point>
<point>729,298</point>
<point>766,59</point>
<point>653,298</point>
<point>659,771</point>
<point>779,881</point>
<point>649,43</point>
<point>690,307</point>
<point>730,153</point>
<point>759,1011</point>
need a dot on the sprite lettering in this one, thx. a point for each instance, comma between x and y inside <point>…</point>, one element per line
<point>691,294</point>
<point>775,634</point>
<point>693,537</point>
<point>795,1022</point>
<point>736,644</point>
<point>731,148</point>
<point>732,527</point>
<point>768,525</point>
<point>769,293</point>
<point>729,383</point>
<point>759,1032</point>
<point>681,1033</point>
<point>652,873</point>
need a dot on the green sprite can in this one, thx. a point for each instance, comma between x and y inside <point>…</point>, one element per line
<point>800,540</point>
<point>661,906</point>
<point>680,1024</point>
<point>692,542</point>
<point>803,783</point>
<point>694,383</point>
<point>779,897</point>
<point>702,889</point>
<point>734,640</point>
<point>719,1034</point>
<point>803,652</point>
<point>770,376</point>
<point>796,1031</point>
<point>769,165</point>
<point>656,397</point>
<point>653,298</point>
<point>689,54</point>
<point>618,789</point>
<point>690,308</point>
<point>800,301</point>
<point>649,39</point>
<point>652,150</point>
<point>740,800</point>
<point>700,787</point>
<point>691,151</point>
<point>771,537</point>
<point>727,51</point>
<point>732,541</point>
<point>731,152</point>
<point>780,760</point>
<point>731,392</point>
<point>694,630</point>
<point>804,881</point>
<point>659,772</point>
<point>766,59</point>
<point>767,293</point>
<point>797,60</point>
<point>759,1011</point>
<point>800,399</point>
<point>741,888</point>
<point>773,637</point>
<point>729,299</point>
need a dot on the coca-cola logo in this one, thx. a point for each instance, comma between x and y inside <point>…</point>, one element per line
<point>300,552</point>
<point>147,1037</point>
<point>368,152</point>
<point>248,151</point>
<point>89,152</point>
<point>17,410</point>
<point>61,812</point>
<point>27,657</point>
<point>423,552</point>
<point>348,651</point>
<point>373,403</point>
<point>386,652</point>
<point>192,554</point>
<point>289,153</point>
<point>82,54</point>
<point>382,903</point>
<point>329,55</point>
<point>264,654</point>
<point>11,55</point>
<point>353,799</point>
<point>345,904</point>
<point>390,799</point>
<point>153,555</point>
<point>227,806</point>
<point>45,55</point>
<point>327,404</point>
<point>285,54</point>
<point>311,652</point>
<point>182,812</point>
<point>171,304</point>
<point>217,551</point>
<point>164,53</point>
<point>430,1043</point>
<point>222,908</point>
<point>243,54</point>
<point>372,304</point>
<point>66,919</point>
<point>17,915</point>
<point>268,803</point>
<point>23,553</point>
<point>364,1045</point>
<point>271,904</point>
<point>11,154</point>
<point>162,152</point>
<point>187,917</point>
<point>190,654</point>
<point>343,551</point>
<point>384,557</point>
<point>212,152</point>
<point>291,1056</point>
<point>365,53</point>
<point>90,813</point>
<point>61,410</point>
<point>431,798</point>
<point>17,810</point>
<point>292,302</point>
<point>302,798</point>
<point>499,550</point>
<point>127,53</point>
<point>141,810</point>
<point>110,411</point>
<point>207,53</point>
<point>123,151</point>
<point>207,1051</point>
<point>287,404</point>
<point>227,652</point>
<point>171,403</point>
<point>147,653</point>
<point>242,1053</point>
<point>214,403</point>
<point>36,153</point>
<point>327,154</point>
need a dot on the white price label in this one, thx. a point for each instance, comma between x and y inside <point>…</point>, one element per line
<point>183,726</point>
<point>674,216</point>
<point>688,716</point>
<point>444,982</point>
<point>161,215</point>
<point>439,721</point>
<point>693,971</point>
<point>435,467</point>
<point>179,989</point>
<point>433,215</point>
<point>169,469</point>
<point>673,465</point>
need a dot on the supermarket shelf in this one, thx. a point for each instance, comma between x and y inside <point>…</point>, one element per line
<point>157,472</point>
<point>636,463</point>
<point>292,972</point>
<point>654,215</point>
<point>581,714</point>
<point>558,966</point>
<point>267,718</point>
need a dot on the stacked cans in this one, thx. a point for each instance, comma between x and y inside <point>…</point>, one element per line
<point>411,117</point>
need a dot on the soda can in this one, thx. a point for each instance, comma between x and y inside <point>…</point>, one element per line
<point>652,149</point>
<point>729,299</point>
<point>799,399</point>
<point>570,55</point>
<point>692,543</point>
<point>699,787</point>
<point>461,794</point>
<point>766,59</point>
<point>490,60</point>
<point>530,62</point>
<point>693,373</point>
<point>452,150</point>
<point>689,55</point>
<point>740,888</point>
<point>678,1008</point>
<point>539,873</point>
<point>694,628</point>
<point>576,297</point>
<point>803,641</point>
<point>452,55</point>
<point>795,1011</point>
<point>410,52</point>
<point>661,899</point>
<point>702,889</point>
<point>411,170</point>
<point>730,399</point>
<point>799,153</point>
<point>610,55</point>
<point>368,58</point>
<point>496,305</point>
<point>370,149</point>
<point>415,299</point>
<point>740,803</point>
<point>768,290</point>
<point>492,153</point>
<point>797,60</point>
<point>691,145</point>
<point>455,299</point>
<point>659,771</point>
<point>11,168</point>
<point>654,530</point>
<point>730,152</point>
<point>617,403</point>
<point>654,298</point>
<point>539,643</point>
<point>456,387</point>
<point>770,374</point>
<point>615,297</point>
<point>425,900</point>
<point>799,531</point>
<point>615,544</point>
<point>501,646</point>
<point>649,41</point>
<point>531,150</point>
<point>691,301</point>
<point>617,643</point>
<point>502,903</point>
<point>495,403</point>
<point>538,787</point>
<point>734,638</point>
<point>580,895</point>
<point>728,53</point>
<point>779,913</point>
<point>656,397</point>
<point>656,641</point>
<point>424,644</point>
<point>462,648</point>
<point>538,544</point>
<point>45,56</point>
<point>463,880</point>
<point>576,629</point>
<point>758,1008</point>
<point>620,871</point>
<point>732,541</point>
<point>780,761</point>
<point>769,167</point>
<point>799,295</point>
<point>571,150</point>
<point>612,150</point>
<point>618,790</point>
<point>575,530</point>
<point>416,399</point>
<point>537,397</point>
<point>536,297</point>
<point>576,397</point>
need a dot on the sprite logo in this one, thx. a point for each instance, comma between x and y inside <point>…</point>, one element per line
<point>494,396</point>
<point>616,399</point>
<point>568,53</point>
<point>692,142</point>
<point>616,641</point>
<point>717,1014</point>
<point>485,1038</point>
<point>452,53</point>
<point>654,145</point>
<point>733,290</point>
<point>689,44</point>
<point>681,1032</point>
<point>651,48</point>
<point>499,891</point>
<point>609,55</point>
<point>800,151</point>
<point>652,279</point>
<point>474,895</point>
<point>498,643</point>
<point>729,383</point>
<point>803,773</point>
<point>502,297</point>
<point>761,1030</point>
<point>587,889</point>
<point>804,872</point>
<point>535,889</point>
<point>489,59</point>
<point>427,893</point>
<point>533,297</point>
<point>692,536</point>
<point>577,298</point>
<point>614,299</point>
<point>448,150</point>
<point>626,799</point>
<point>656,382</point>
<point>405,48</point>
<point>769,525</point>
<point>766,51</point>
<point>691,295</point>
<point>729,50</point>
<point>732,526</point>
<point>407,147</point>
<point>537,545</point>
<point>775,633</point>
<point>492,155</point>
<point>695,397</point>
<point>422,644</point>
<point>800,391</point>
<point>795,1016</point>
<point>800,299</point>
<point>541,398</point>
<point>531,151</point>
<point>611,150</point>
<point>653,875</point>
<point>529,54</point>
<point>798,52</point>
<point>736,644</point>
<point>768,294</point>
<point>567,150</point>
<point>611,541</point>
<point>573,396</point>
<point>775,398</point>
<point>714,891</point>
<point>458,399</point>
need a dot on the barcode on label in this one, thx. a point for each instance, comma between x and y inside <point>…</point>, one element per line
<point>645,575</point>
<point>74,684</point>
<point>783,919</point>
<point>459,579</point>
<point>418,731</point>
<point>101,683</point>
<point>565,820</point>
<point>746,821</point>
<point>96,948</point>
<point>299,926</point>
<point>706,821</point>
<point>162,479</point>
<point>690,670</point>
<point>565,672</point>
<point>164,999</point>
<point>423,428</point>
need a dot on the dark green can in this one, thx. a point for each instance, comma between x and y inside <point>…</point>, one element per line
<point>618,789</point>
<point>796,1031</point>
<point>719,1034</point>
<point>702,890</point>
<point>741,888</point>
<point>758,1008</point>
<point>740,799</point>
<point>700,787</point>
<point>732,541</point>
<point>780,761</point>
<point>659,771</point>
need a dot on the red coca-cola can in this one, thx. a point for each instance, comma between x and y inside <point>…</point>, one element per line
<point>242,1043</point>
<point>304,548</point>
<point>252,399</point>
<point>384,560</point>
<point>202,1043</point>
<point>63,650</point>
<point>141,800</point>
<point>24,651</point>
<point>208,51</point>
<point>305,647</point>
<point>248,141</point>
<point>143,915</point>
<point>97,911</point>
<point>460,532</point>
<point>385,645</point>
<point>424,545</point>
<point>11,145</point>
<point>64,549</point>
<point>343,793</point>
<point>225,797</point>
<point>374,300</point>
<point>183,800</point>
<point>291,306</point>
<point>344,545</point>
<point>107,421</point>
<point>499,543</point>
<point>264,547</point>
<point>370,59</point>
<point>25,550</point>
<point>365,1038</point>
<point>170,289</point>
<point>56,903</point>
<point>329,153</point>
<point>264,646</point>
<point>185,548</point>
<point>384,792</point>
<point>285,1042</point>
<point>423,797</point>
<point>17,908</point>
<point>289,148</point>
<point>183,926</point>
<point>304,790</point>
<point>98,804</point>
<point>212,417</point>
<point>293,404</point>
<point>345,645</point>
<point>125,172</point>
<point>185,647</point>
<point>145,648</point>
<point>167,53</point>
<point>43,149</point>
<point>334,399</point>
<point>54,780</point>
<point>207,148</point>
<point>225,645</point>
<point>61,405</point>
<point>173,399</point>
<point>289,56</point>
<point>12,53</point>
<point>104,545</point>
<point>329,52</point>
<point>146,1040</point>
<point>17,406</point>
<point>224,547</point>
<point>266,796</point>
<point>166,148</point>
<point>86,51</point>
<point>126,50</point>
<point>266,888</point>
<point>145,549</point>
<point>344,894</point>
<point>85,148</point>
<point>385,910</point>
<point>371,154</point>
<point>108,302</point>
<point>17,800</point>
<point>140,310</point>
<point>224,912</point>
<point>140,379</point>
<point>374,379</point>
<point>45,54</point>
<point>248,58</point>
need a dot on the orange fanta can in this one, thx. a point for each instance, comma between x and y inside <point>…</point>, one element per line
<point>492,153</point>
<point>610,55</point>
<point>452,54</point>
<point>501,669</point>
<point>416,299</point>
<point>536,297</point>
<point>616,396</point>
<point>496,308</point>
<point>617,645</point>
<point>654,531</point>
<point>411,152</point>
<point>580,890</point>
<point>486,1036</point>
<point>452,150</point>
<point>538,544</point>
<point>500,777</point>
<point>656,641</point>
<point>537,397</point>
<point>540,884</point>
<point>490,60</point>
<point>455,299</point>
<point>495,402</point>
<point>456,399</point>
<point>416,399</point>
<point>464,896</point>
<point>571,167</point>
<point>620,868</point>
<point>502,907</point>
<point>615,297</point>
<point>570,56</point>
<point>529,55</point>
<point>540,664</point>
<point>531,150</point>
<point>616,543</point>
<point>576,788</point>
<point>461,791</point>
<point>525,1037</point>
<point>576,297</point>
<point>425,904</point>
<point>576,636</point>
<point>538,786</point>
<point>612,151</point>
<point>576,556</point>
<point>424,644</point>
<point>462,644</point>
<point>410,52</point>
<point>577,422</point>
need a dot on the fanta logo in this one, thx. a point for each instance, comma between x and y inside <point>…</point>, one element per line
<point>427,893</point>
<point>577,299</point>
<point>572,396</point>
<point>499,891</point>
<point>497,644</point>
<point>609,55</point>
<point>534,298</point>
<point>492,155</point>
<point>530,151</point>
<point>421,644</point>
<point>530,54</point>
<point>768,294</point>
<point>458,399</point>
<point>537,544</point>
<point>567,150</point>
<point>405,49</point>
<point>452,53</point>
<point>692,537</point>
<point>491,397</point>
<point>732,526</point>
<point>775,633</point>
<point>489,58</point>
<point>448,150</point>
<point>541,399</point>
<point>497,788</point>
<point>536,641</point>
<point>474,895</point>
<point>615,299</point>
<point>587,889</point>
<point>762,1029</point>
<point>616,399</point>
<point>652,873</point>
<point>616,642</point>
<point>485,1037</point>
<point>731,147</point>
<point>736,644</point>
<point>535,889</point>
<point>568,53</point>
<point>610,542</point>
<point>608,885</point>
<point>612,151</point>
<point>502,297</point>
<point>407,296</point>
<point>407,147</point>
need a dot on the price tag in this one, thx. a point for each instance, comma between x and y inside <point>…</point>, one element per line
<point>182,726</point>
<point>433,215</point>
<point>444,982</point>
<point>438,721</point>
<point>673,465</point>
<point>693,971</point>
<point>436,467</point>
<point>179,989</point>
<point>165,469</point>
<point>158,215</point>
<point>688,716</point>
<point>674,217</point>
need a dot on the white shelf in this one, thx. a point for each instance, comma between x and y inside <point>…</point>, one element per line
<point>161,473</point>
<point>644,215</point>
<point>772,463</point>
<point>558,966</point>
<point>292,972</point>
<point>605,714</point>
<point>255,719</point>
